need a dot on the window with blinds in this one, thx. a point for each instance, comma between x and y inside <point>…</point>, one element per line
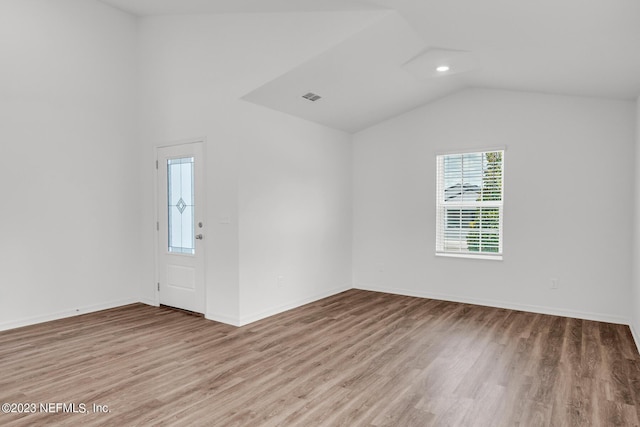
<point>469,204</point>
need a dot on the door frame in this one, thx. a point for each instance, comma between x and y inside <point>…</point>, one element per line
<point>156,213</point>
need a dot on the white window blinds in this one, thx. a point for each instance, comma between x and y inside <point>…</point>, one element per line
<point>469,204</point>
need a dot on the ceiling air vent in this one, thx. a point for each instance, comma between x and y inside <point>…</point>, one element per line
<point>311,96</point>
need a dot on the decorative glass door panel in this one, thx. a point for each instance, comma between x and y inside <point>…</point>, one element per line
<point>180,251</point>
<point>181,205</point>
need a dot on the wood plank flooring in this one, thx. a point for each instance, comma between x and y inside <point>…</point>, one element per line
<point>355,359</point>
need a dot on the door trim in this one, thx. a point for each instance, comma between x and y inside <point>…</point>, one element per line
<point>156,213</point>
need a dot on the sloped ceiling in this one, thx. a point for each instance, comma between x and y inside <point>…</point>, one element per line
<point>565,47</point>
<point>182,7</point>
<point>361,81</point>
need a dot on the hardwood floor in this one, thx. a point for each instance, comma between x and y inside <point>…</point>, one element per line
<point>355,359</point>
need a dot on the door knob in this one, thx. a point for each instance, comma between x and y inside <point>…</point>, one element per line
<point>199,236</point>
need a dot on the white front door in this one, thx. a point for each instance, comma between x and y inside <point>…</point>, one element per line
<point>180,226</point>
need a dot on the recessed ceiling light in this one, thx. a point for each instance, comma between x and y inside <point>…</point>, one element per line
<point>442,68</point>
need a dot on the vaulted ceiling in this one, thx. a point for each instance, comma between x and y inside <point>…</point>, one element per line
<point>567,47</point>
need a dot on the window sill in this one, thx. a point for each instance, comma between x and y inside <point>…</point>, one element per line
<point>472,256</point>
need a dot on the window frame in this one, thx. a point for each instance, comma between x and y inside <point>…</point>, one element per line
<point>444,209</point>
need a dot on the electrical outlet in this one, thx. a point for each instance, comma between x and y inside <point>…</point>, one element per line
<point>280,281</point>
<point>554,284</point>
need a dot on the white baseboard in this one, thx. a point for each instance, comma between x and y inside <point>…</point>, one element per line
<point>636,337</point>
<point>149,301</point>
<point>599,317</point>
<point>245,320</point>
<point>233,321</point>
<point>27,321</point>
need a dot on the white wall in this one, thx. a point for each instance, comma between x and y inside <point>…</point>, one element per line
<point>635,294</point>
<point>295,215</point>
<point>262,166</point>
<point>68,162</point>
<point>77,202</point>
<point>564,155</point>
